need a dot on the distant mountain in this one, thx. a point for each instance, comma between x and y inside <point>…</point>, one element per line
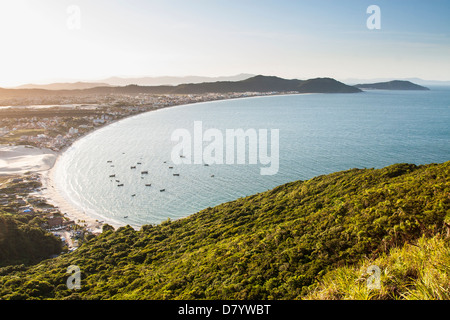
<point>392,85</point>
<point>64,86</point>
<point>419,81</point>
<point>172,81</point>
<point>140,81</point>
<point>325,85</point>
<point>423,82</point>
<point>254,84</point>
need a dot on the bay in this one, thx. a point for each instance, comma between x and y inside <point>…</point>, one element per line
<point>318,134</point>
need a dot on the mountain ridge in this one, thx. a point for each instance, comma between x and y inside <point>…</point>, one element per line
<point>257,83</point>
<point>171,80</point>
<point>419,81</point>
<point>392,85</point>
<point>63,86</point>
<point>125,81</point>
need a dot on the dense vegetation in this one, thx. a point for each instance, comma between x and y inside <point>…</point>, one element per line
<point>288,243</point>
<point>23,242</point>
<point>416,271</point>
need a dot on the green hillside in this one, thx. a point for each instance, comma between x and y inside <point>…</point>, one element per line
<point>22,241</point>
<point>287,243</point>
<point>419,270</point>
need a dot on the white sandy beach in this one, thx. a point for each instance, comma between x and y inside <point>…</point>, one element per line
<point>55,197</point>
<point>17,160</point>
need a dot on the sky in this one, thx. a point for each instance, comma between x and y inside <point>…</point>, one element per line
<point>45,41</point>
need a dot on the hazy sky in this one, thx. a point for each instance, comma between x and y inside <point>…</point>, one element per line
<point>43,40</point>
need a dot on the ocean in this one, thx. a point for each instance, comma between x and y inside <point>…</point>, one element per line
<point>318,134</point>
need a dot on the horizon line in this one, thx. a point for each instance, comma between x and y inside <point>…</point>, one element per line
<point>124,78</point>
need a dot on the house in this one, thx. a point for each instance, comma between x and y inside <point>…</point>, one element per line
<point>20,201</point>
<point>4,131</point>
<point>55,221</point>
<point>73,131</point>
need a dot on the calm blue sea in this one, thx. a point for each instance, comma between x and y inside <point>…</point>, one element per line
<point>318,134</point>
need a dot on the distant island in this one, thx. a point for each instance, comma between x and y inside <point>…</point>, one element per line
<point>392,85</point>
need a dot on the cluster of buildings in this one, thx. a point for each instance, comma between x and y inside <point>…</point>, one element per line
<point>59,131</point>
<point>21,196</point>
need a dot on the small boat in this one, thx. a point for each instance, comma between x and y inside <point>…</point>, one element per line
<point>144,172</point>
<point>112,176</point>
<point>133,167</point>
<point>176,174</point>
<point>162,190</point>
<point>120,185</point>
<point>148,184</point>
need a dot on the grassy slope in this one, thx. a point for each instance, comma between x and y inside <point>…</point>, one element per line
<point>275,245</point>
<point>416,271</point>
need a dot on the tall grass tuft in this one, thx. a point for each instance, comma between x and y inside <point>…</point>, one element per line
<point>418,271</point>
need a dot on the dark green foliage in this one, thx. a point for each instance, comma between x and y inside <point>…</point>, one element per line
<point>23,242</point>
<point>273,245</point>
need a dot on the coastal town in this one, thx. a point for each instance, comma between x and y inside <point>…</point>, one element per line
<point>55,125</point>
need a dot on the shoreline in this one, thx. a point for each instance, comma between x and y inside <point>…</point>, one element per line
<point>69,209</point>
<point>55,197</point>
